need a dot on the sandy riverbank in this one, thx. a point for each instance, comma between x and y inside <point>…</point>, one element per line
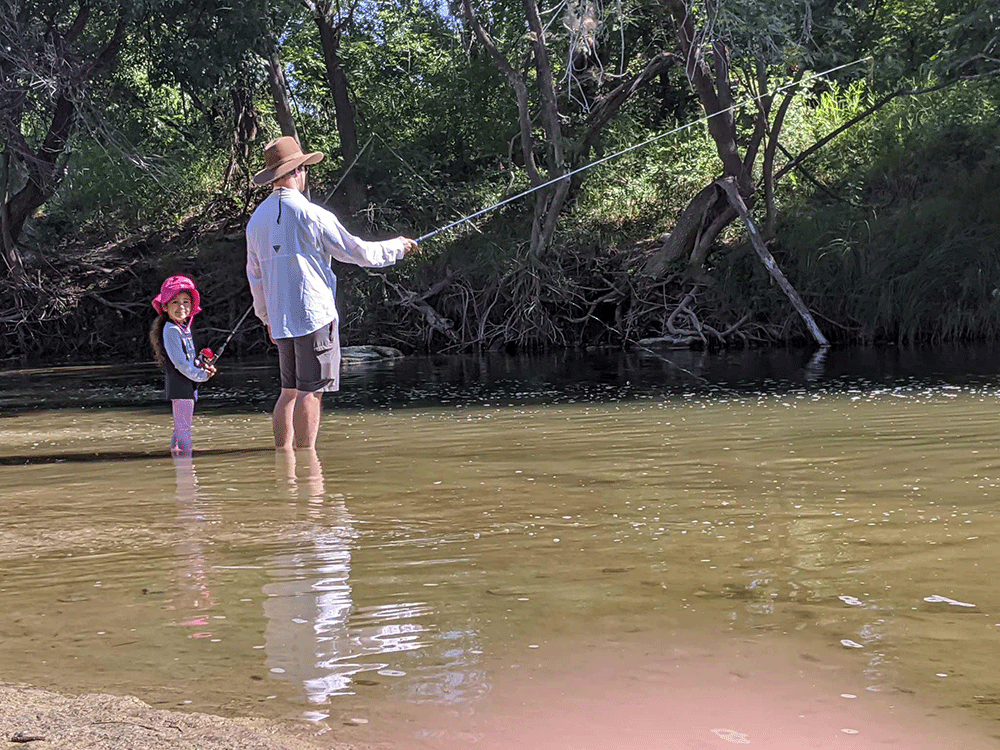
<point>109,722</point>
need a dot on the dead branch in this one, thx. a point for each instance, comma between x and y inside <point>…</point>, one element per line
<point>732,191</point>
<point>418,302</point>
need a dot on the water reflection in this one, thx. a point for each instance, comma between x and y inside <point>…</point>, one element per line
<point>816,366</point>
<point>317,634</point>
<point>194,598</point>
<point>490,379</point>
<point>309,602</point>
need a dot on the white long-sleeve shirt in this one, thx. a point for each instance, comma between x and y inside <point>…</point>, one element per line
<point>290,243</point>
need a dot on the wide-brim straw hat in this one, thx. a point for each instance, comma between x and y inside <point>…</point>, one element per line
<point>281,156</point>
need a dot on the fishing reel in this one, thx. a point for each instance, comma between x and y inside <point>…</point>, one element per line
<point>205,358</point>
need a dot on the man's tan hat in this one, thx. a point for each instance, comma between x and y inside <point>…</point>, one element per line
<point>281,156</point>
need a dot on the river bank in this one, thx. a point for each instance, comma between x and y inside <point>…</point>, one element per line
<point>88,302</point>
<point>40,718</point>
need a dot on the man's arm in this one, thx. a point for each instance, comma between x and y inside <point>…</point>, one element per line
<point>338,243</point>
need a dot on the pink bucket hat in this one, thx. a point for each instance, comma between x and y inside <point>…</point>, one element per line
<point>173,286</point>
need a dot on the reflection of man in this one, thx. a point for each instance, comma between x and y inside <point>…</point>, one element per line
<point>308,605</point>
<point>319,637</point>
<point>290,243</point>
<point>286,464</point>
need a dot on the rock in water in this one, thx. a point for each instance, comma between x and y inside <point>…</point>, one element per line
<point>369,353</point>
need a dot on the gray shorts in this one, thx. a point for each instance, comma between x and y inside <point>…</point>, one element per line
<point>311,363</point>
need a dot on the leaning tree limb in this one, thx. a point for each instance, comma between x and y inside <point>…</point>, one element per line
<point>728,184</point>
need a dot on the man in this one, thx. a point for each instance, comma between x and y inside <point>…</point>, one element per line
<point>290,243</point>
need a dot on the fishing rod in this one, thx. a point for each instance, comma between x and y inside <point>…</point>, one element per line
<point>210,358</point>
<point>206,355</point>
<point>706,118</point>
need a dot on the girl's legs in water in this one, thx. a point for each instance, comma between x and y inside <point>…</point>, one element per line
<point>183,415</point>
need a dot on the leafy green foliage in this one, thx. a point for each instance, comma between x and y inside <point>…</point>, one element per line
<point>914,256</point>
<point>889,230</point>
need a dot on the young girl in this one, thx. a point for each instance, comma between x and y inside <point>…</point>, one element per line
<point>177,303</point>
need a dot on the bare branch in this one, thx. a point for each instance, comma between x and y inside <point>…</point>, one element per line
<point>520,87</point>
<point>611,102</point>
<point>859,118</point>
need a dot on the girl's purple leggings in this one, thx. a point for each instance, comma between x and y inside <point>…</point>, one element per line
<point>183,414</point>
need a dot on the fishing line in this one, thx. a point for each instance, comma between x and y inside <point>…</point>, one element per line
<point>670,362</point>
<point>585,167</point>
<point>427,185</point>
<point>346,171</point>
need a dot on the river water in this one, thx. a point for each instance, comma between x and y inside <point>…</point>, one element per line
<point>697,551</point>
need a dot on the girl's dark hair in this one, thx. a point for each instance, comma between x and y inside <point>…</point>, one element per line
<point>156,339</point>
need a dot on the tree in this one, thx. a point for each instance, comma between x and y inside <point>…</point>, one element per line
<point>973,41</point>
<point>730,47</point>
<point>332,18</point>
<point>548,201</point>
<point>50,54</point>
<point>211,51</point>
<point>573,117</point>
<point>279,88</point>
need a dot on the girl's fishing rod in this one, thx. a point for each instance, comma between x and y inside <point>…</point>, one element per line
<point>585,167</point>
<point>207,357</point>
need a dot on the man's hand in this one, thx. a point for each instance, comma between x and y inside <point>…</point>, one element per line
<point>408,245</point>
<point>210,369</point>
<point>270,336</point>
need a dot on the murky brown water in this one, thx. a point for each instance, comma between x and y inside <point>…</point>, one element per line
<point>807,564</point>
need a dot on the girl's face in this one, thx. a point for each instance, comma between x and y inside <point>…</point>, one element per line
<point>179,308</point>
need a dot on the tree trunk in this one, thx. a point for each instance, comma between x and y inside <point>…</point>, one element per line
<point>44,171</point>
<point>354,187</point>
<point>715,96</point>
<point>520,87</point>
<point>706,215</point>
<point>11,254</point>
<point>549,200</point>
<point>46,164</point>
<point>245,122</point>
<point>585,72</point>
<point>771,220</point>
<point>681,240</point>
<point>547,212</point>
<point>279,92</point>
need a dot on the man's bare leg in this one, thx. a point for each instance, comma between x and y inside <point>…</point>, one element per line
<point>308,409</point>
<point>282,418</point>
